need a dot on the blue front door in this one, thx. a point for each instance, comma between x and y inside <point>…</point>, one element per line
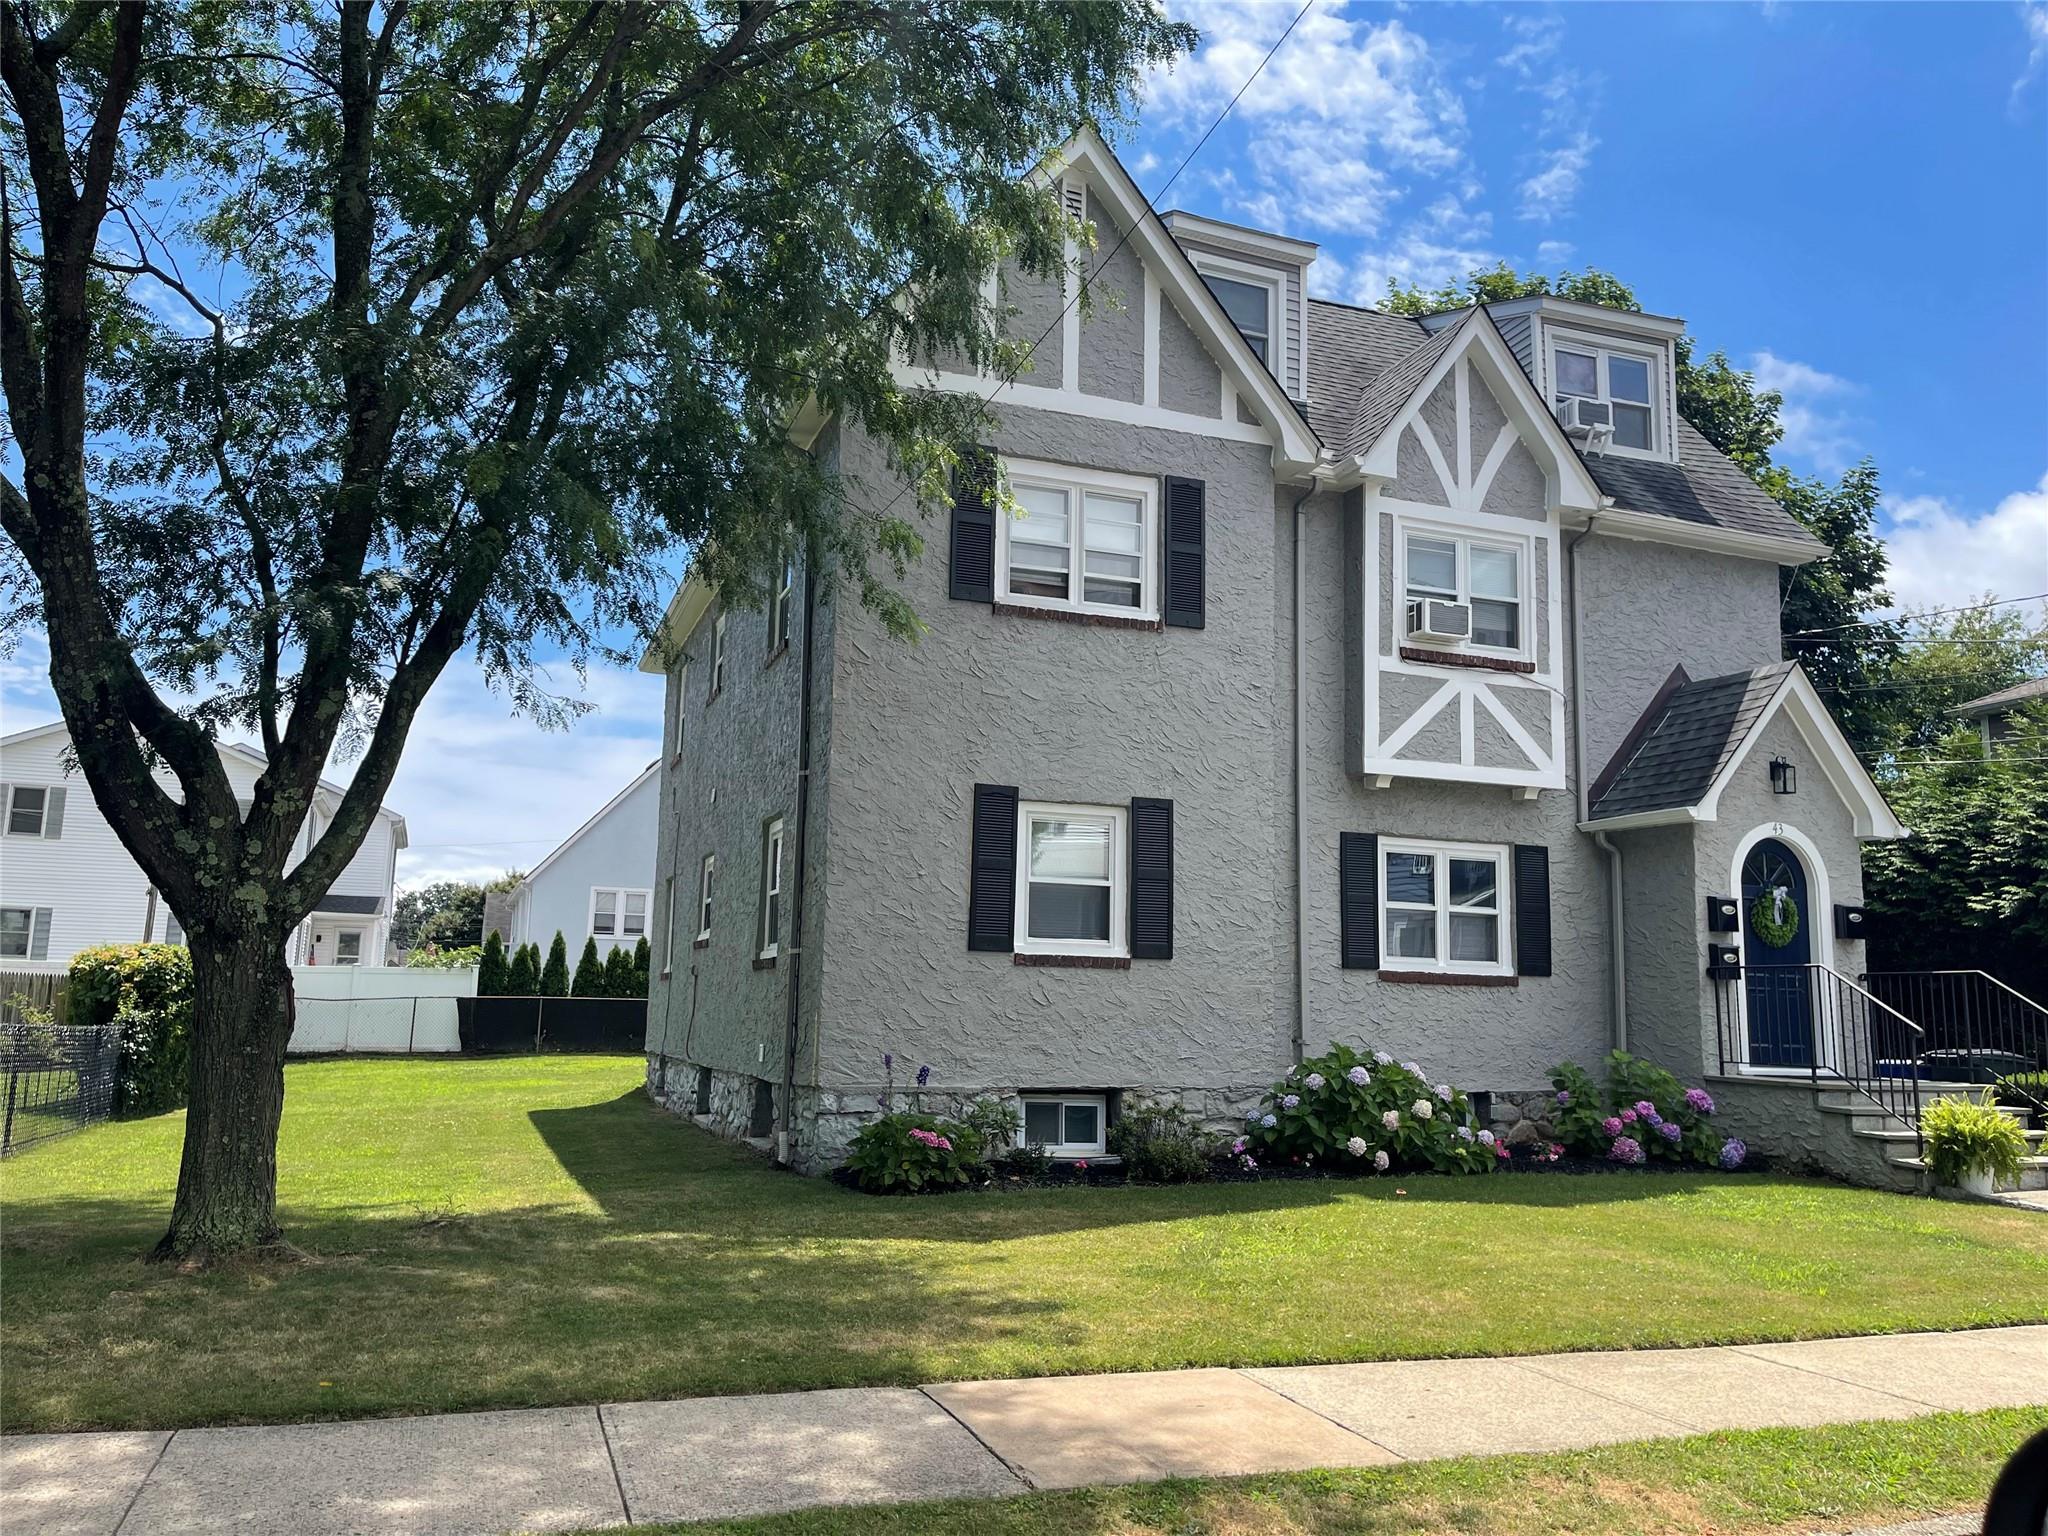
<point>1778,983</point>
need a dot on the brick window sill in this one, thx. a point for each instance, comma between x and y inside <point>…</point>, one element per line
<point>1447,979</point>
<point>764,962</point>
<point>703,943</point>
<point>1434,658</point>
<point>1068,616</point>
<point>1075,962</point>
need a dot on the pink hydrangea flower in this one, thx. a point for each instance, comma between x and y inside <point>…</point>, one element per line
<point>1611,1125</point>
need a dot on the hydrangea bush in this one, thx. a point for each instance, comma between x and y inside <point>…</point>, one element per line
<point>1645,1115</point>
<point>1369,1113</point>
<point>909,1152</point>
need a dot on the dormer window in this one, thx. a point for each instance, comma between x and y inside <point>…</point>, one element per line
<point>1624,378</point>
<point>1250,296</point>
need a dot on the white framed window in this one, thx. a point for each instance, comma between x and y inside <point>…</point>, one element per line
<point>1628,378</point>
<point>679,718</point>
<point>17,932</point>
<point>1251,296</point>
<point>348,946</point>
<point>717,655</point>
<point>618,912</point>
<point>704,873</point>
<point>1066,1124</point>
<point>771,889</point>
<point>1486,575</point>
<point>26,805</point>
<point>633,914</point>
<point>779,605</point>
<point>1443,907</point>
<point>668,924</point>
<point>1072,880</point>
<point>604,913</point>
<point>1086,541</point>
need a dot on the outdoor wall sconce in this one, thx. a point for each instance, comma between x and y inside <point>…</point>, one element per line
<point>1784,777</point>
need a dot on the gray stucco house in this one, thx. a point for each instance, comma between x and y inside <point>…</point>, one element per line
<point>1335,675</point>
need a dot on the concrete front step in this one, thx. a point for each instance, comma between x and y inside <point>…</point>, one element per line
<point>2033,1172</point>
<point>1896,1133</point>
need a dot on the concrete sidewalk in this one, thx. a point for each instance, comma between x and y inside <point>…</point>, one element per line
<point>553,1469</point>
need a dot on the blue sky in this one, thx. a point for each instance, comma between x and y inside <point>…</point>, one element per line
<point>1852,200</point>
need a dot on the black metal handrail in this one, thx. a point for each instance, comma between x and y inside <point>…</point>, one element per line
<point>1979,1029</point>
<point>1810,1019</point>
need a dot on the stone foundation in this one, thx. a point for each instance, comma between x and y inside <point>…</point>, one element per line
<point>1523,1118</point>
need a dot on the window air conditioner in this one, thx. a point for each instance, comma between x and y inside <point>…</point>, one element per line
<point>1584,419</point>
<point>1431,618</point>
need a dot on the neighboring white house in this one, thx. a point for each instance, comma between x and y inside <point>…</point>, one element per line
<point>600,882</point>
<point>66,883</point>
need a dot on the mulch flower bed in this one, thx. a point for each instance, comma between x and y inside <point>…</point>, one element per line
<point>1227,1170</point>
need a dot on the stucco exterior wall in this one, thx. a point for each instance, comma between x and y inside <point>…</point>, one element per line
<point>1075,713</point>
<point>1647,608</point>
<point>1664,935</point>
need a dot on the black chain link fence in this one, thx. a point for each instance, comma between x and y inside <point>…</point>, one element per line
<point>58,1079</point>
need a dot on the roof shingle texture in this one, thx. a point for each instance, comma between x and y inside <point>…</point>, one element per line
<point>2005,698</point>
<point>1365,365</point>
<point>1698,731</point>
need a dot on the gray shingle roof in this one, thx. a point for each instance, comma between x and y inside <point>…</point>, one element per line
<point>1698,729</point>
<point>2005,698</point>
<point>367,906</point>
<point>1364,366</point>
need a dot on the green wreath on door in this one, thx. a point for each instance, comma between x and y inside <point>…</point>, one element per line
<point>1774,918</point>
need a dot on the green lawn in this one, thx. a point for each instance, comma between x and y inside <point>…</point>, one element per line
<point>1751,1481</point>
<point>531,1231</point>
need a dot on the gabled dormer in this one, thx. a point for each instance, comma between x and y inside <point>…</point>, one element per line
<point>1610,375</point>
<point>1259,279</point>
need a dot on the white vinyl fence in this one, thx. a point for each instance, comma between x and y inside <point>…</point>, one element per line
<point>377,1008</point>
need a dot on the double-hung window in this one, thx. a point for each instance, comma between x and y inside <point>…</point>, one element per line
<point>1580,368</point>
<point>633,910</point>
<point>1072,880</point>
<point>1444,907</point>
<point>668,924</point>
<point>1065,1125</point>
<point>1250,296</point>
<point>717,654</point>
<point>771,889</point>
<point>704,873</point>
<point>26,805</point>
<point>1082,540</point>
<point>1486,577</point>
<point>17,931</point>
<point>779,605</point>
<point>617,914</point>
<point>675,746</point>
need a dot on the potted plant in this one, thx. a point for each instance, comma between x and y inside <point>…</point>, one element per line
<point>1971,1144</point>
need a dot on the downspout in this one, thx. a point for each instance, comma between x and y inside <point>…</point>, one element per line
<point>1301,772</point>
<point>1616,940</point>
<point>785,1134</point>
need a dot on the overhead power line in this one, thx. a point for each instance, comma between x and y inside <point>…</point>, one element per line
<point>1931,613</point>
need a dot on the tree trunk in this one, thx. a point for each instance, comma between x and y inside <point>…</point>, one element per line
<point>241,1021</point>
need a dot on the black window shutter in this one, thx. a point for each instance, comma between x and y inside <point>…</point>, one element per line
<point>1151,879</point>
<point>974,528</point>
<point>992,870</point>
<point>1532,910</point>
<point>1358,900</point>
<point>1186,535</point>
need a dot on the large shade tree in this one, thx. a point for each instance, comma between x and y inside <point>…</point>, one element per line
<point>340,341</point>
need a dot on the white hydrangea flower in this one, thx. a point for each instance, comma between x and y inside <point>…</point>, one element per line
<point>1383,1058</point>
<point>1391,1119</point>
<point>1443,1091</point>
<point>1380,1161</point>
<point>1409,1066</point>
<point>1313,1081</point>
<point>1359,1077</point>
<point>1486,1138</point>
<point>1355,1146</point>
<point>1423,1109</point>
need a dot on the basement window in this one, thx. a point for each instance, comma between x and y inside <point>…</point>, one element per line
<point>1066,1125</point>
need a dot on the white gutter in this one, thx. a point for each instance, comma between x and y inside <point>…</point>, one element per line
<point>1301,772</point>
<point>1617,940</point>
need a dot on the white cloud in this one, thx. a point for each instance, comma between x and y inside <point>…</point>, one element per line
<point>1536,41</point>
<point>1941,556</point>
<point>1550,193</point>
<point>1443,244</point>
<point>2034,18</point>
<point>1340,108</point>
<point>1557,251</point>
<point>1818,429</point>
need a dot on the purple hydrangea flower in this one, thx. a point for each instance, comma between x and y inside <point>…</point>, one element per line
<point>1628,1117</point>
<point>924,1075</point>
<point>1409,1066</point>
<point>1669,1130</point>
<point>1611,1125</point>
<point>1625,1150</point>
<point>1465,1133</point>
<point>1267,1121</point>
<point>1563,1097</point>
<point>1732,1153</point>
<point>1646,1109</point>
<point>1443,1091</point>
<point>1313,1081</point>
<point>1237,1146</point>
<point>1383,1058</point>
<point>1358,1077</point>
<point>1700,1100</point>
<point>1292,1101</point>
